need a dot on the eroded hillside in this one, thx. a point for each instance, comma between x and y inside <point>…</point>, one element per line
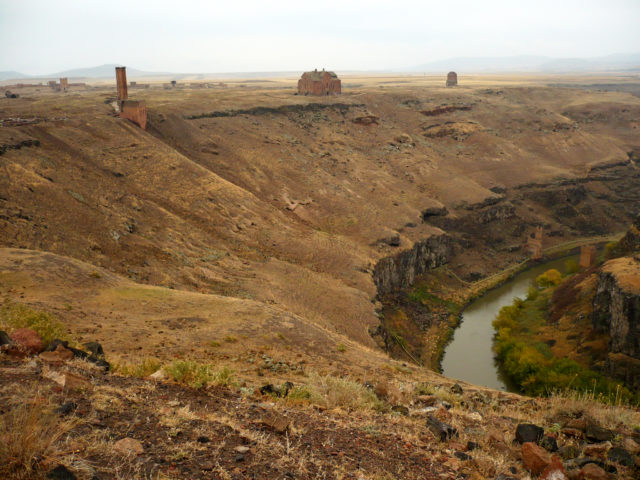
<point>290,202</point>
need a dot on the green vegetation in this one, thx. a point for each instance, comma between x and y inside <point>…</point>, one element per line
<point>15,315</point>
<point>531,363</point>
<point>422,294</point>
<point>550,278</point>
<point>341,347</point>
<point>571,266</point>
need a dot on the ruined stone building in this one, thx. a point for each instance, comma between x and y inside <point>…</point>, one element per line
<point>319,83</point>
<point>452,79</point>
<point>64,83</point>
<point>133,110</point>
<point>534,243</point>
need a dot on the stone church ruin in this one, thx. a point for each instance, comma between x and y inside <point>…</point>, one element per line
<point>319,83</point>
<point>133,110</point>
<point>452,79</point>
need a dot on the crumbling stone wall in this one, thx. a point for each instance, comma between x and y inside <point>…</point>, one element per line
<point>136,111</point>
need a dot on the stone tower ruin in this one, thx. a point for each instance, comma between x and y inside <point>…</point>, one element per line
<point>587,256</point>
<point>534,244</point>
<point>121,83</point>
<point>452,79</point>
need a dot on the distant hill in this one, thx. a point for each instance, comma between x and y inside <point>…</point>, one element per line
<point>533,64</point>
<point>11,74</point>
<point>104,71</point>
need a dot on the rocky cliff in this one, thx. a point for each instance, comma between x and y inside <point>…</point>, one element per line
<point>399,271</point>
<point>616,311</point>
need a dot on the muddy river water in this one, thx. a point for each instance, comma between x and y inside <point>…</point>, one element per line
<point>469,356</point>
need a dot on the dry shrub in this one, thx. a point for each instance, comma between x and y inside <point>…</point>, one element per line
<point>15,315</point>
<point>335,392</point>
<point>30,436</point>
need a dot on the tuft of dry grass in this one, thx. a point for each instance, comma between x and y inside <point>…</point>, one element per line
<point>30,437</point>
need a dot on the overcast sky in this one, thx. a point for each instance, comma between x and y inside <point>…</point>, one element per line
<point>46,36</point>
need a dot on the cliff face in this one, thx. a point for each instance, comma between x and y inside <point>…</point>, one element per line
<point>399,271</point>
<point>616,311</point>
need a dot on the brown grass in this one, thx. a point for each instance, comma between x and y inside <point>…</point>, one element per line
<point>30,438</point>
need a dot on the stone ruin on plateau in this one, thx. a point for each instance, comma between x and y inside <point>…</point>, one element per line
<point>534,244</point>
<point>319,83</point>
<point>452,79</point>
<point>133,110</point>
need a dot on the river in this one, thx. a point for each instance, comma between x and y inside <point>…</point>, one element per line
<point>469,356</point>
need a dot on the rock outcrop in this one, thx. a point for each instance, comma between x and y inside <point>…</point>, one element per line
<point>631,241</point>
<point>616,311</point>
<point>399,271</point>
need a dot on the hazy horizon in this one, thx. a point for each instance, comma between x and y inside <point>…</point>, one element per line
<point>40,37</point>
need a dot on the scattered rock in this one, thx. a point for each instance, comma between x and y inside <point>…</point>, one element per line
<point>528,432</point>
<point>60,355</point>
<point>462,456</point>
<point>28,339</point>
<point>128,446</point>
<point>95,349</point>
<point>475,416</point>
<point>555,471</point>
<point>5,339</point>
<point>568,452</point>
<point>159,376</point>
<point>472,446</point>
<point>66,408</point>
<point>203,439</point>
<point>369,119</point>
<point>631,446</point>
<point>240,458</point>
<point>535,458</point>
<point>457,389</point>
<point>549,443</point>
<point>401,409</point>
<point>442,431</point>
<point>427,400</point>
<point>577,423</point>
<point>61,473</point>
<point>276,422</point>
<point>242,449</point>
<point>572,432</point>
<point>68,380</point>
<point>591,471</point>
<point>596,433</point>
<point>620,456</point>
<point>598,450</point>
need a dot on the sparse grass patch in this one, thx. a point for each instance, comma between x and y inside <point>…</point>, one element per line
<point>29,434</point>
<point>197,375</point>
<point>230,339</point>
<point>341,347</point>
<point>146,367</point>
<point>333,392</point>
<point>16,315</point>
<point>214,344</point>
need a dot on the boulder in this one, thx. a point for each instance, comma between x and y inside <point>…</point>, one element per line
<point>620,456</point>
<point>60,355</point>
<point>457,389</point>
<point>596,433</point>
<point>598,450</point>
<point>631,446</point>
<point>527,432</point>
<point>276,422</point>
<point>28,339</point>
<point>5,339</point>
<point>401,409</point>
<point>549,443</point>
<point>128,446</point>
<point>61,473</point>
<point>441,430</point>
<point>535,458</point>
<point>591,471</point>
<point>568,452</point>
<point>95,349</point>
<point>555,471</point>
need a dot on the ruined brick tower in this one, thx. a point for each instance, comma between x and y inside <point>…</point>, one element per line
<point>534,244</point>
<point>64,83</point>
<point>587,256</point>
<point>319,83</point>
<point>133,110</point>
<point>121,83</point>
<point>452,79</point>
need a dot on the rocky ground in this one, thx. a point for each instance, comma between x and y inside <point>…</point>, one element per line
<point>65,416</point>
